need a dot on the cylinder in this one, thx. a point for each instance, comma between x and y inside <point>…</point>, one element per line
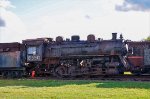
<point>91,38</point>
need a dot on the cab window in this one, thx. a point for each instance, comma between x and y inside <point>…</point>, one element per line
<point>32,50</point>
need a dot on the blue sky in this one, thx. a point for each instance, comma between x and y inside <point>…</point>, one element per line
<point>137,5</point>
<point>22,19</point>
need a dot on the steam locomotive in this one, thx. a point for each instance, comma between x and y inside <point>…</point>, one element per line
<point>75,57</point>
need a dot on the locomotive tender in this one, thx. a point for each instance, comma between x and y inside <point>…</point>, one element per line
<point>68,58</point>
<point>10,60</point>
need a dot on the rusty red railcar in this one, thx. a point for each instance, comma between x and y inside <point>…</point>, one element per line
<point>139,56</point>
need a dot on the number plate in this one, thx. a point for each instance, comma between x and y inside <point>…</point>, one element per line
<point>34,58</point>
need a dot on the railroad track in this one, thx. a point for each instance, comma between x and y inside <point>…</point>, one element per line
<point>124,78</point>
<point>103,78</point>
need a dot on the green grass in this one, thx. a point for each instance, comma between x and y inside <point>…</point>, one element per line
<point>59,89</point>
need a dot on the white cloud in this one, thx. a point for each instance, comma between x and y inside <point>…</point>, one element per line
<point>14,29</point>
<point>102,22</point>
<point>78,17</point>
<point>6,4</point>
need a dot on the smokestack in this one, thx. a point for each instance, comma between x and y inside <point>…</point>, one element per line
<point>114,36</point>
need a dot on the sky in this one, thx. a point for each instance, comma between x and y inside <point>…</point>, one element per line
<point>26,19</point>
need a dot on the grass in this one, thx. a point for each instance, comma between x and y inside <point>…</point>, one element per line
<point>59,89</point>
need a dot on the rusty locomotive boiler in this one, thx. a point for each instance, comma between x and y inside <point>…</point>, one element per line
<point>75,57</point>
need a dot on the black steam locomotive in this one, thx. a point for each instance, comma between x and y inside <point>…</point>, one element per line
<point>69,58</point>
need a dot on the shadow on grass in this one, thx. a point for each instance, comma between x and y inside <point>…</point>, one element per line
<point>58,83</point>
<point>138,85</point>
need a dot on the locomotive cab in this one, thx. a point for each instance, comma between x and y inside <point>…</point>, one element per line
<point>10,61</point>
<point>33,52</point>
